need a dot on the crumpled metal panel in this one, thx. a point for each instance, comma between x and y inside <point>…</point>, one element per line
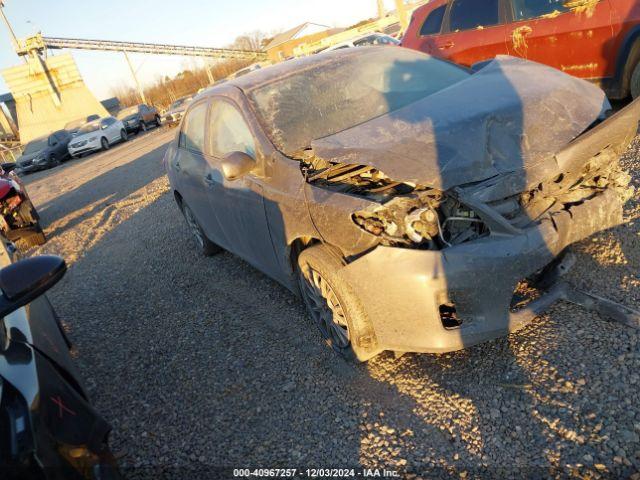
<point>509,116</point>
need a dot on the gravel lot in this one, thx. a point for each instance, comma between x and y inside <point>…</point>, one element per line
<point>201,363</point>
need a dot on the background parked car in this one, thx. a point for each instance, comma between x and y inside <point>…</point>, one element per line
<point>19,220</point>
<point>44,152</point>
<point>365,41</point>
<point>176,111</point>
<point>98,135</point>
<point>49,428</point>
<point>74,126</point>
<point>139,118</point>
<point>595,40</point>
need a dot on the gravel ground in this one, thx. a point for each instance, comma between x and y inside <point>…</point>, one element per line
<point>202,363</point>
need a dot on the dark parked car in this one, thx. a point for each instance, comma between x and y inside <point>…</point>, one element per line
<point>19,220</point>
<point>44,152</point>
<point>139,118</point>
<point>49,428</point>
<point>408,205</point>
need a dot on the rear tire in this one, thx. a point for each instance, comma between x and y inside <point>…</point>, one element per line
<point>204,246</point>
<point>123,135</point>
<point>143,127</point>
<point>634,83</point>
<point>53,160</point>
<point>333,305</point>
<point>158,122</point>
<point>104,143</point>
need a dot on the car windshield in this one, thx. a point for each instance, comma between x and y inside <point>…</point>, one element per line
<point>346,90</point>
<point>178,103</point>
<point>127,111</point>
<point>35,146</point>
<point>90,127</point>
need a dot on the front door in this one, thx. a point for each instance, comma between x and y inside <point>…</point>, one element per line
<point>238,205</point>
<point>474,31</point>
<point>577,40</point>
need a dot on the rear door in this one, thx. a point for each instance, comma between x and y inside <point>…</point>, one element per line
<point>473,31</point>
<point>578,41</point>
<point>191,167</point>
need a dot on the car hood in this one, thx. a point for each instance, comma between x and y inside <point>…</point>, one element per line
<point>27,158</point>
<point>509,116</point>
<point>81,137</point>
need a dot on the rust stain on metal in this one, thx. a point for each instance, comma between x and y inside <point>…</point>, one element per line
<point>580,7</point>
<point>519,39</point>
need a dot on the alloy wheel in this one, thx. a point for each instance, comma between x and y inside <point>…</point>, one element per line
<point>325,308</point>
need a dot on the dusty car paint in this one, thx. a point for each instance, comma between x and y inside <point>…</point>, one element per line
<point>445,279</point>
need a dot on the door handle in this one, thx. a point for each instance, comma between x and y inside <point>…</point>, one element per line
<point>177,166</point>
<point>208,179</point>
<point>446,46</point>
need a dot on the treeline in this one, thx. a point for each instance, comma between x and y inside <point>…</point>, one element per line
<point>164,91</point>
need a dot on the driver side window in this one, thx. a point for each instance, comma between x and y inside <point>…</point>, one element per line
<point>228,131</point>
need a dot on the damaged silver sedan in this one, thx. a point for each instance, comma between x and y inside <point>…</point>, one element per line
<point>414,205</point>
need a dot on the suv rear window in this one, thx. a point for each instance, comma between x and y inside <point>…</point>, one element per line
<point>526,9</point>
<point>468,14</point>
<point>433,23</point>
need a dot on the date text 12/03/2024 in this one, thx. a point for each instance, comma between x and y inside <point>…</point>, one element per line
<point>314,473</point>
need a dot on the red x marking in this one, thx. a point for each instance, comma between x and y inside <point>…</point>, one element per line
<point>61,406</point>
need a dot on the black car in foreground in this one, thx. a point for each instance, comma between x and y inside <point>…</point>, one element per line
<point>48,428</point>
<point>44,152</point>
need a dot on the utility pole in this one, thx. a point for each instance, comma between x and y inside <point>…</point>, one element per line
<point>381,10</point>
<point>402,14</point>
<point>135,77</point>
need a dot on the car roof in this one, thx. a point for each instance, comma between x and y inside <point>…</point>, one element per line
<point>272,73</point>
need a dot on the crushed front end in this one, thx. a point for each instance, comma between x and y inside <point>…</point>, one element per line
<point>453,265</point>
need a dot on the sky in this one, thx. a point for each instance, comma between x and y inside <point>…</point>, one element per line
<point>207,23</point>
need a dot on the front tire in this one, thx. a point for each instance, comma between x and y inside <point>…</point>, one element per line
<point>204,246</point>
<point>53,160</point>
<point>104,143</point>
<point>143,127</point>
<point>634,84</point>
<point>333,305</point>
<point>123,135</point>
<point>158,122</point>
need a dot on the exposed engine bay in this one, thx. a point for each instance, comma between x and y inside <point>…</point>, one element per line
<point>409,215</point>
<point>420,217</point>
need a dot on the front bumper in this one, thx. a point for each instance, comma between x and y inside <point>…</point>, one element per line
<point>89,147</point>
<point>478,277</point>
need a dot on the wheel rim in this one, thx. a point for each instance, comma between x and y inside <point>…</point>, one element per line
<point>194,227</point>
<point>325,308</point>
<point>143,126</point>
<point>105,144</point>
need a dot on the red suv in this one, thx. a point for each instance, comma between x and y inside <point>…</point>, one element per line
<point>598,40</point>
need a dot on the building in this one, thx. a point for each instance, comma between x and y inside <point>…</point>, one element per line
<point>283,44</point>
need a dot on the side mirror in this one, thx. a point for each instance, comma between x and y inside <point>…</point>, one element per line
<point>236,165</point>
<point>8,167</point>
<point>24,281</point>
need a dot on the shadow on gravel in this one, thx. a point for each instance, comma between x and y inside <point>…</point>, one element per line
<point>102,191</point>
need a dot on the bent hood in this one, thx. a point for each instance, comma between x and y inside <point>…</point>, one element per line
<point>509,116</point>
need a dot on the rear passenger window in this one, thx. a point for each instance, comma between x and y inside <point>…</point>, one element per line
<point>526,9</point>
<point>192,135</point>
<point>469,14</point>
<point>433,23</point>
<point>229,132</point>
